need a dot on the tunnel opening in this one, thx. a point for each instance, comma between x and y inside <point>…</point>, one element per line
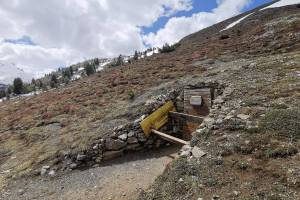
<point>191,107</point>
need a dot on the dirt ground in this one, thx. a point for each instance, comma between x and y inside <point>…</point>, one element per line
<point>121,179</point>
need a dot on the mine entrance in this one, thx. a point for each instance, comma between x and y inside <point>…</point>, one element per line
<point>181,119</point>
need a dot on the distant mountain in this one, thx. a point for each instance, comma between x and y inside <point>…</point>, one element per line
<point>3,87</point>
<point>10,71</point>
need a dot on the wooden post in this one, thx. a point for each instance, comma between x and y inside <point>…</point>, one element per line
<point>169,137</point>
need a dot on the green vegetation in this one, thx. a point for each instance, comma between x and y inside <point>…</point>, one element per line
<point>136,55</point>
<point>2,94</point>
<point>90,69</point>
<point>53,82</point>
<point>118,62</point>
<point>282,121</point>
<point>18,86</point>
<point>131,94</point>
<point>168,48</point>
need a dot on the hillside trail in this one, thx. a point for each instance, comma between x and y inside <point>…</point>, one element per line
<point>120,179</point>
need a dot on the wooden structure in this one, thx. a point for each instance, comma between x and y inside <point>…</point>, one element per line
<point>197,103</point>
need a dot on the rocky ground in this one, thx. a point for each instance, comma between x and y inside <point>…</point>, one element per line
<point>122,178</point>
<point>250,140</point>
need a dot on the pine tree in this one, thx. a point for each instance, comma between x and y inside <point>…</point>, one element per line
<point>71,70</point>
<point>89,69</point>
<point>2,94</point>
<point>53,82</point>
<point>136,55</point>
<point>18,86</point>
<point>120,61</point>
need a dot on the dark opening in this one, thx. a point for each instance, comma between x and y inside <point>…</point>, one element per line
<point>224,37</point>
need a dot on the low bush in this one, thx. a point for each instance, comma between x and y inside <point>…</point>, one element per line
<point>282,121</point>
<point>169,48</point>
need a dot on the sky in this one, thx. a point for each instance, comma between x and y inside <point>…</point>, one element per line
<point>40,36</point>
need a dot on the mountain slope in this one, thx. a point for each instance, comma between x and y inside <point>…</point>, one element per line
<point>256,61</point>
<point>9,71</point>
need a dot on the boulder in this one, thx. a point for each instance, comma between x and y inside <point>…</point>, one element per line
<point>243,116</point>
<point>133,147</point>
<point>123,137</point>
<point>108,155</point>
<point>81,157</point>
<point>186,150</point>
<point>131,134</point>
<point>44,170</point>
<point>132,140</point>
<point>115,145</point>
<point>197,152</point>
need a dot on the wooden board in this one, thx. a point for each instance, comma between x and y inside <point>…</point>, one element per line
<point>202,110</point>
<point>158,118</point>
<point>170,138</point>
<point>186,117</point>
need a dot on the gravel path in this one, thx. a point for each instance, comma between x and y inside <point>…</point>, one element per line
<point>120,179</point>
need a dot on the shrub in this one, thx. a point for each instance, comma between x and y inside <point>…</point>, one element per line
<point>53,81</point>
<point>282,121</point>
<point>168,48</point>
<point>131,94</point>
<point>281,152</point>
<point>90,69</point>
<point>2,94</point>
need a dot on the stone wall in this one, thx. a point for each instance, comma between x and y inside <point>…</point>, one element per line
<point>128,137</point>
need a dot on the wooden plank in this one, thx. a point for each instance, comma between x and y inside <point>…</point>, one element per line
<point>186,117</point>
<point>169,137</point>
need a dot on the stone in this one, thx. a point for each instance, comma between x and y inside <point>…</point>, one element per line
<point>142,138</point>
<point>185,150</point>
<point>209,122</point>
<point>51,173</point>
<point>132,140</point>
<point>115,145</point>
<point>44,170</point>
<point>123,137</point>
<point>252,65</point>
<point>228,117</point>
<point>218,101</point>
<point>73,166</point>
<point>197,152</point>
<point>95,146</point>
<point>108,155</point>
<point>81,157</point>
<point>21,191</point>
<point>133,147</point>
<point>243,116</point>
<point>131,134</point>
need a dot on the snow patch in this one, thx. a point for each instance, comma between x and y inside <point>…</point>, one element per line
<point>236,22</point>
<point>282,3</point>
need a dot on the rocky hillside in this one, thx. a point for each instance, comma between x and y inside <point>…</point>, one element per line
<point>251,137</point>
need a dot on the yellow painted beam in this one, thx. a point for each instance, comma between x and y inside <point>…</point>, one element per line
<point>157,119</point>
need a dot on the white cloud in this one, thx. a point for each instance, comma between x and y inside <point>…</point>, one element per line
<point>66,31</point>
<point>179,27</point>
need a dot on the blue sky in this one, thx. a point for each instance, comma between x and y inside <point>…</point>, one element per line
<point>198,6</point>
